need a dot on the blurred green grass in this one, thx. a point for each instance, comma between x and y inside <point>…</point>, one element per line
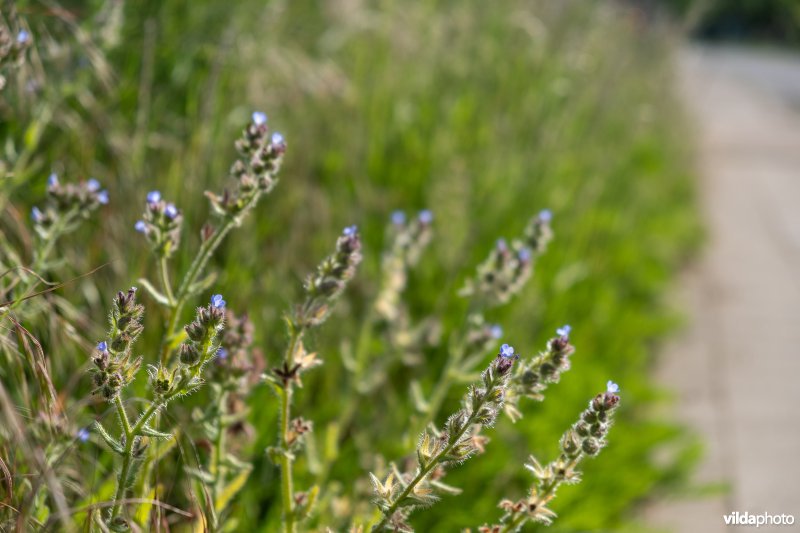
<point>483,112</point>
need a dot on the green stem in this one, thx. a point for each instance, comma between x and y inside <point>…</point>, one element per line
<point>286,463</point>
<point>423,472</point>
<point>514,524</point>
<point>127,458</point>
<point>287,490</point>
<point>164,271</point>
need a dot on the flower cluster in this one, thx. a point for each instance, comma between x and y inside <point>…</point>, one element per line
<point>324,287</point>
<point>460,438</point>
<point>508,267</point>
<point>161,224</point>
<point>586,437</point>
<point>408,240</point>
<point>66,204</point>
<point>235,360</point>
<point>202,332</point>
<point>114,366</point>
<point>531,377</point>
<point>12,49</point>
<point>261,154</point>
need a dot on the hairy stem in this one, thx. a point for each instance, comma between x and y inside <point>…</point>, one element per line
<point>435,460</point>
<point>287,490</point>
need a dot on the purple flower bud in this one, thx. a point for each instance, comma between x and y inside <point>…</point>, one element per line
<point>153,197</point>
<point>350,231</point>
<point>82,435</point>
<point>36,214</point>
<point>222,353</point>
<point>564,330</point>
<point>545,215</point>
<point>425,216</point>
<point>102,346</point>
<point>524,255</point>
<point>611,387</point>
<point>140,226</point>
<point>398,218</point>
<point>102,197</point>
<point>171,211</point>
<point>217,301</point>
<point>496,331</point>
<point>277,139</point>
<point>23,37</point>
<point>506,351</point>
<point>259,118</point>
<point>52,179</point>
<point>501,245</point>
<point>93,185</point>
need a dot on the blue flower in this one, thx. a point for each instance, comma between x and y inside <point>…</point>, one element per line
<point>277,139</point>
<point>507,351</point>
<point>524,255</point>
<point>611,387</point>
<point>82,435</point>
<point>93,185</point>
<point>564,330</point>
<point>171,211</point>
<point>36,214</point>
<point>425,216</point>
<point>398,218</point>
<point>217,301</point>
<point>52,179</point>
<point>140,226</point>
<point>545,215</point>
<point>222,353</point>
<point>501,245</point>
<point>102,197</point>
<point>496,331</point>
<point>23,37</point>
<point>102,346</point>
<point>350,231</point>
<point>153,197</point>
<point>259,118</point>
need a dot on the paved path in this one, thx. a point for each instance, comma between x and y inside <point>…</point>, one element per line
<point>737,368</point>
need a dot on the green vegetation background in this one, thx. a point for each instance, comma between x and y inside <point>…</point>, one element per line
<point>484,112</point>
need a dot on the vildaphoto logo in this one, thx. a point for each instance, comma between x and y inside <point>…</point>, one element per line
<point>763,519</point>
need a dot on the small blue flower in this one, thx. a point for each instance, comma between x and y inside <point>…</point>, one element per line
<point>102,197</point>
<point>23,37</point>
<point>545,215</point>
<point>36,214</point>
<point>611,387</point>
<point>496,331</point>
<point>140,226</point>
<point>222,353</point>
<point>102,346</point>
<point>93,185</point>
<point>259,118</point>
<point>398,218</point>
<point>217,301</point>
<point>82,435</point>
<point>425,216</point>
<point>277,139</point>
<point>524,255</point>
<point>507,351</point>
<point>52,179</point>
<point>564,330</point>
<point>350,231</point>
<point>501,245</point>
<point>153,197</point>
<point>171,211</point>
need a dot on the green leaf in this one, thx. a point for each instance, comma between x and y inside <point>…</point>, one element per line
<point>230,490</point>
<point>113,443</point>
<point>155,293</point>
